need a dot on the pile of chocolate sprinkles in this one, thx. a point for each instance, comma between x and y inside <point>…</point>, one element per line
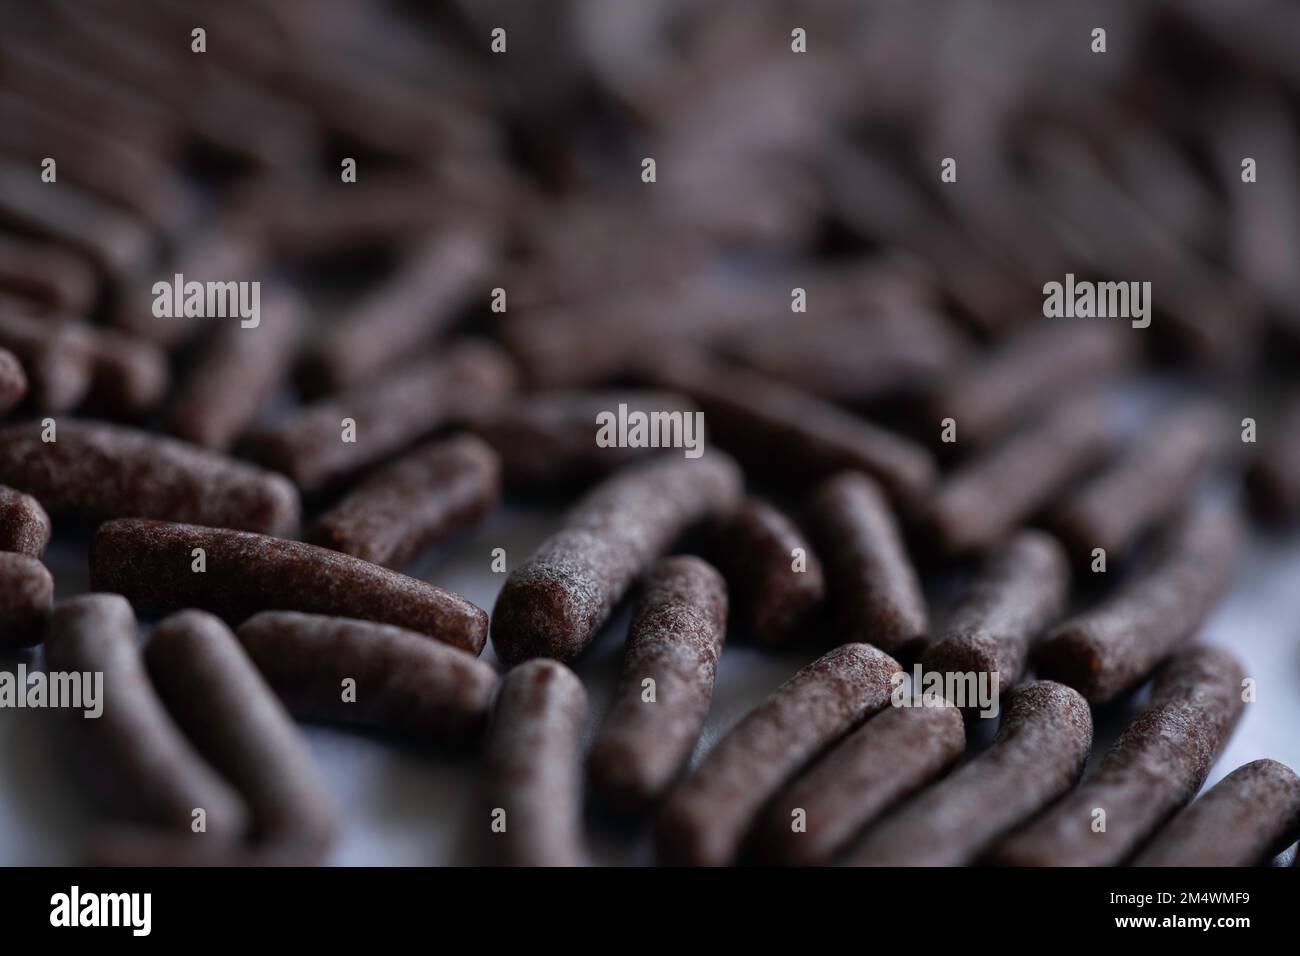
<point>825,230</point>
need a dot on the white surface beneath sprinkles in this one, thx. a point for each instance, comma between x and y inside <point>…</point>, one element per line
<point>405,806</point>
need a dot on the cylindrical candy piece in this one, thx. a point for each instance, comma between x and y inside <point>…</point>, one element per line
<point>13,381</point>
<point>135,755</point>
<point>1021,589</point>
<point>404,682</point>
<point>554,603</point>
<point>774,578</point>
<point>405,311</point>
<point>870,579</point>
<point>95,471</point>
<point>1046,363</point>
<point>1110,648</point>
<point>26,594</point>
<point>159,566</point>
<point>1155,767</point>
<point>216,695</point>
<point>984,500</point>
<point>57,357</point>
<point>1039,752</point>
<point>707,818</point>
<point>790,434</point>
<point>889,757</point>
<point>674,642</point>
<point>415,502</point>
<point>24,525</point>
<point>237,373</point>
<point>1247,818</point>
<point>385,416</point>
<point>532,774</point>
<point>548,439</point>
<point>1147,486</point>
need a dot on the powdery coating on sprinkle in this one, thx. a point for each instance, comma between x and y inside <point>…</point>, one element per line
<point>1156,766</point>
<point>26,595</point>
<point>224,706</point>
<point>96,471</point>
<point>1109,649</point>
<point>706,819</point>
<point>13,381</point>
<point>871,581</point>
<point>983,501</point>
<point>553,604</point>
<point>134,754</point>
<point>150,562</point>
<point>405,683</point>
<point>1246,819</point>
<point>24,525</point>
<point>771,602</point>
<point>890,756</point>
<point>531,767</point>
<point>675,640</point>
<point>1147,486</point>
<point>412,504</point>
<point>1020,590</point>
<point>392,412</point>
<point>1039,752</point>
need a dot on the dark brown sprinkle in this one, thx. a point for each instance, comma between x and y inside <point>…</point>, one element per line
<point>1020,590</point>
<point>135,756</point>
<point>118,245</point>
<point>1249,817</point>
<point>707,818</point>
<point>131,376</point>
<point>1144,488</point>
<point>392,413</point>
<point>1273,481</point>
<point>404,683</point>
<point>674,642</point>
<point>1038,754</point>
<point>217,253</point>
<point>57,357</point>
<point>214,692</point>
<point>412,504</point>
<point>547,438</point>
<point>532,772</point>
<point>403,314</point>
<point>852,358</point>
<point>238,372</point>
<point>981,503</point>
<point>13,381</point>
<point>884,761</point>
<point>553,604</point>
<point>1111,648</point>
<point>1156,766</point>
<point>26,595</point>
<point>94,471</point>
<point>47,274</point>
<point>152,563</point>
<point>24,525</point>
<point>870,580</point>
<point>1043,364</point>
<point>785,433</point>
<point>757,549</point>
